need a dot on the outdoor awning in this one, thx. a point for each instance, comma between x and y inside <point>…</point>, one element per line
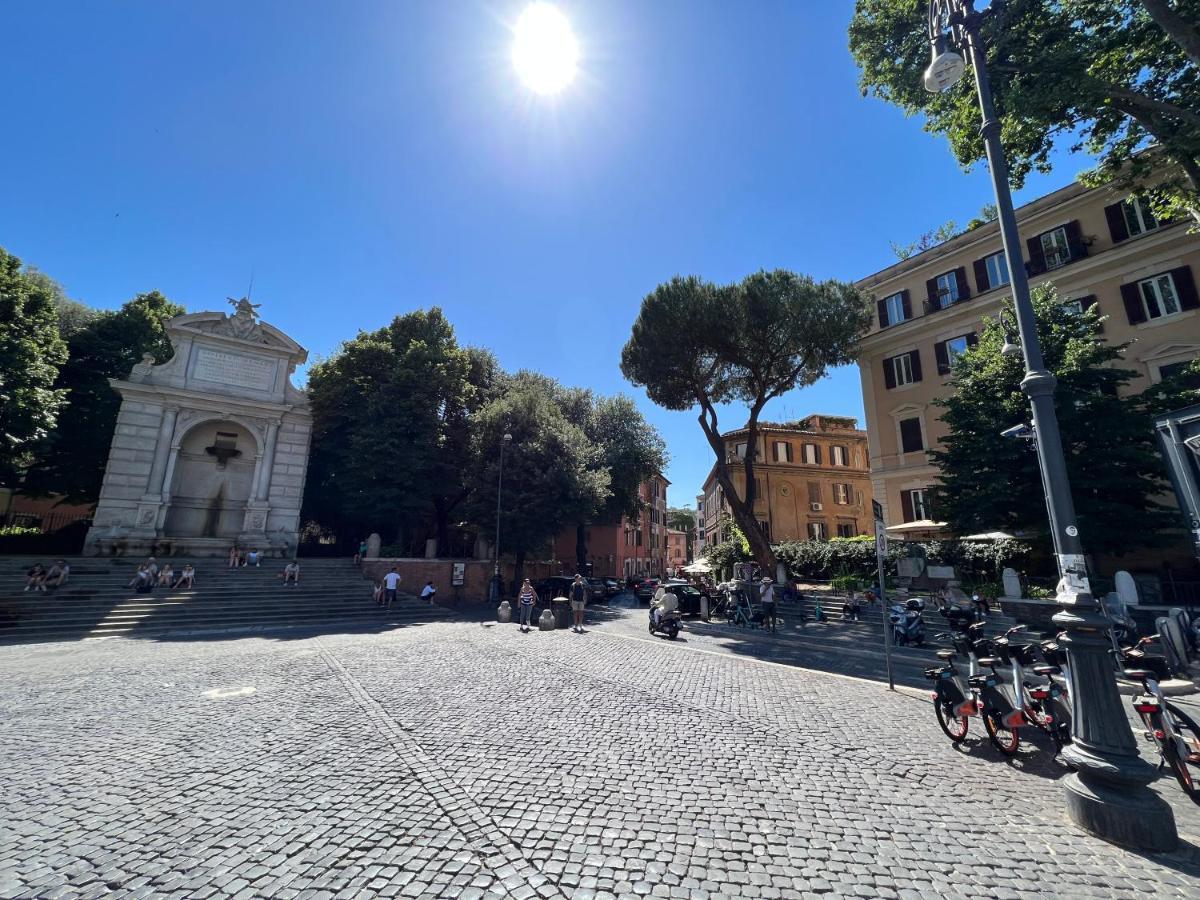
<point>989,536</point>
<point>699,567</point>
<point>919,525</point>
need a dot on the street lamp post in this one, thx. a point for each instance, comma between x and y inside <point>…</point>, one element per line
<point>497,584</point>
<point>1107,794</point>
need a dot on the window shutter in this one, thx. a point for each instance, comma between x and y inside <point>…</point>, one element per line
<point>1086,303</point>
<point>981,276</point>
<point>814,492</point>
<point>943,357</point>
<point>817,451</point>
<point>916,364</point>
<point>964,289</point>
<point>881,306</point>
<point>906,303</point>
<point>1037,257</point>
<point>906,505</point>
<point>1185,286</point>
<point>972,339</point>
<point>910,436</point>
<point>775,451</point>
<point>932,290</point>
<point>889,374</point>
<point>1075,240</point>
<point>1131,294</point>
<point>1116,222</point>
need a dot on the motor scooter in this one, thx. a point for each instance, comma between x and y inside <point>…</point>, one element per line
<point>908,625</point>
<point>668,624</point>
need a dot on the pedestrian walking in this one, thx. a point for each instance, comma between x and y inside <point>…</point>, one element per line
<point>391,581</point>
<point>427,592</point>
<point>579,592</point>
<point>528,598</point>
<point>766,596</point>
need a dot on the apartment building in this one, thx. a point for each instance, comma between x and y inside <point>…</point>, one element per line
<point>677,556</point>
<point>637,545</point>
<point>698,539</point>
<point>1098,247</point>
<point>813,481</point>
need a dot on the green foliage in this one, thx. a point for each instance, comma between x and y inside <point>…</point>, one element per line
<point>31,351</point>
<point>723,556</point>
<point>1102,73</point>
<point>101,345</point>
<point>989,483</point>
<point>846,583</point>
<point>16,530</point>
<point>977,559</point>
<point>695,344</point>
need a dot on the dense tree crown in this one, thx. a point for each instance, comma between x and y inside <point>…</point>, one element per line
<point>100,345</point>
<point>1112,76</point>
<point>31,351</point>
<point>696,344</point>
<point>991,483</point>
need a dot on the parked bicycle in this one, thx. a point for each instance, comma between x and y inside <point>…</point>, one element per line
<point>1044,704</point>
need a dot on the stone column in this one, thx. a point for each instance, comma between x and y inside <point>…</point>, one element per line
<point>268,462</point>
<point>162,451</point>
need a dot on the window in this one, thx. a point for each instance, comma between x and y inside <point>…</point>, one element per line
<point>1055,247</point>
<point>1159,297</point>
<point>956,346</point>
<point>915,507</point>
<point>947,290</point>
<point>817,531</point>
<point>902,369</point>
<point>997,269</point>
<point>814,492</point>
<point>847,529</point>
<point>838,456</point>
<point>894,307</point>
<point>1138,218</point>
<point>841,494</point>
<point>812,454</point>
<point>781,451</point>
<point>1074,307</point>
<point>1180,370</point>
<point>739,450</point>
<point>911,440</point>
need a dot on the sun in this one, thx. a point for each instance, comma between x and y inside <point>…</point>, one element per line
<point>544,51</point>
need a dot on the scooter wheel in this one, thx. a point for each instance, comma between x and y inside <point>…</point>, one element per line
<point>673,633</point>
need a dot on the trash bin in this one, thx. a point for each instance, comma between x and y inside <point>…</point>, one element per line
<point>561,608</point>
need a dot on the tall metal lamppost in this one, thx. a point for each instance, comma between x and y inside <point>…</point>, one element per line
<point>1107,794</point>
<point>497,584</point>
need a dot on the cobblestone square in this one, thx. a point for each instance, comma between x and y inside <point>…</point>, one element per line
<point>460,759</point>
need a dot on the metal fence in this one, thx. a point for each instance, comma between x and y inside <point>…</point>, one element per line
<point>44,523</point>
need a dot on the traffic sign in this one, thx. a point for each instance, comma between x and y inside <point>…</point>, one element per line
<point>878,509</point>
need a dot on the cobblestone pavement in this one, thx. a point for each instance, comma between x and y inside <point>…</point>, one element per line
<point>466,760</point>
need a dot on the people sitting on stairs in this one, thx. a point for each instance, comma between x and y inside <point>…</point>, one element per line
<point>35,578</point>
<point>165,574</point>
<point>253,558</point>
<point>143,580</point>
<point>59,574</point>
<point>291,573</point>
<point>186,577</point>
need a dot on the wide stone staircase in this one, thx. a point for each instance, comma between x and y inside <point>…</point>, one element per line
<point>96,601</point>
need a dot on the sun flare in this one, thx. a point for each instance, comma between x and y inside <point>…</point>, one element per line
<point>544,51</point>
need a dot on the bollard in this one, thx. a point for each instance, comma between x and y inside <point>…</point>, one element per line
<point>504,612</point>
<point>546,622</point>
<point>704,607</point>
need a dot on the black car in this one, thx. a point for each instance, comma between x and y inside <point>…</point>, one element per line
<point>688,597</point>
<point>555,586</point>
<point>613,586</point>
<point>645,589</point>
<point>597,590</point>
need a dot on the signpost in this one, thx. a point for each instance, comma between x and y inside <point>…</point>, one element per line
<point>880,559</point>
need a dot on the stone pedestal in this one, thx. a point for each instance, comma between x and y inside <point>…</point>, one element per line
<point>374,542</point>
<point>1012,584</point>
<point>211,446</point>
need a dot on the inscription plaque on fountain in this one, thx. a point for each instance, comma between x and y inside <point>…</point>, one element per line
<point>234,369</point>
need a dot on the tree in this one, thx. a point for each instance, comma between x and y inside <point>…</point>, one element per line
<point>989,483</point>
<point>553,476</point>
<point>31,351</point>
<point>103,345</point>
<point>1113,76</point>
<point>683,519</point>
<point>391,444</point>
<point>695,344</point>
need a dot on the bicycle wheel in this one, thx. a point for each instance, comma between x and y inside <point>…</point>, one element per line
<point>954,726</point>
<point>1185,768</point>
<point>1006,740</point>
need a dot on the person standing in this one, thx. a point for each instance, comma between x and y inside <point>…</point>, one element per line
<point>578,602</point>
<point>233,556</point>
<point>391,581</point>
<point>528,599</point>
<point>767,597</point>
<point>427,592</point>
<point>361,554</point>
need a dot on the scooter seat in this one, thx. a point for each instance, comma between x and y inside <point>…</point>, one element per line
<point>946,655</point>
<point>1047,670</point>
<point>989,660</point>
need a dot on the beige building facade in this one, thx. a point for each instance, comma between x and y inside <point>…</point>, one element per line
<point>1098,247</point>
<point>813,481</point>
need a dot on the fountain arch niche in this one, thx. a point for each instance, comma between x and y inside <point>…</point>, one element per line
<point>211,445</point>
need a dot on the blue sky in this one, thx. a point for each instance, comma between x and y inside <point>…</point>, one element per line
<point>364,159</point>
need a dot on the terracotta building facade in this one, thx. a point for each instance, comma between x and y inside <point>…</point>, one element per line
<point>1099,248</point>
<point>813,481</point>
<point>634,547</point>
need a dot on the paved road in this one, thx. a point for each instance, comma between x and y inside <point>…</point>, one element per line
<point>461,759</point>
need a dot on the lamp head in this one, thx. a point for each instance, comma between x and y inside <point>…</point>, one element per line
<point>508,439</point>
<point>945,69</point>
<point>1009,348</point>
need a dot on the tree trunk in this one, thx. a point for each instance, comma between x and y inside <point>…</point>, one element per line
<point>743,515</point>
<point>442,525</point>
<point>518,571</point>
<point>1178,29</point>
<point>581,550</point>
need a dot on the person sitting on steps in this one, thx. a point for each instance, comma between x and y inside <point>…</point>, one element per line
<point>187,577</point>
<point>165,575</point>
<point>291,573</point>
<point>35,578</point>
<point>58,574</point>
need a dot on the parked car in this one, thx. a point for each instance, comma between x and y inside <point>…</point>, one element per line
<point>554,586</point>
<point>645,589</point>
<point>613,586</point>
<point>688,596</point>
<point>597,590</point>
